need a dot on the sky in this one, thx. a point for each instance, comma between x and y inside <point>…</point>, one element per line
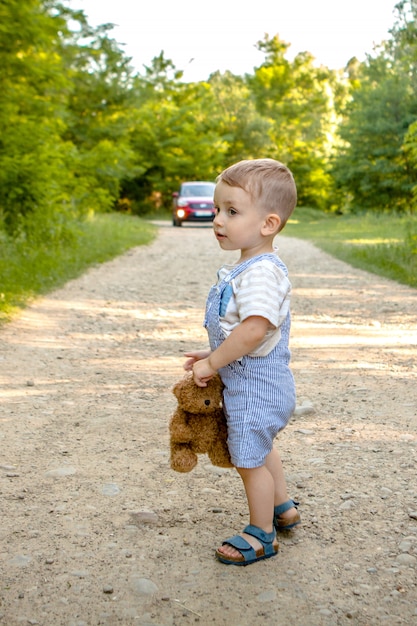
<point>201,38</point>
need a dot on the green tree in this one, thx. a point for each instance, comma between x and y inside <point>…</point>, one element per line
<point>32,112</point>
<point>298,100</point>
<point>404,35</point>
<point>174,135</point>
<point>245,132</point>
<point>100,114</point>
<point>372,169</point>
<point>65,117</point>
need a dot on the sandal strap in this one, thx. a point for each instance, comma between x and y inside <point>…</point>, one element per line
<point>248,553</point>
<point>265,539</point>
<point>285,506</point>
<point>243,546</point>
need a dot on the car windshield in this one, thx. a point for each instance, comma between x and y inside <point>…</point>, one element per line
<point>198,190</point>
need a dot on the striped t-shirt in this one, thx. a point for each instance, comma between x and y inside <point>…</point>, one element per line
<point>262,289</point>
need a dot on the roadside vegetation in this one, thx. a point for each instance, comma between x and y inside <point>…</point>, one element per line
<point>88,145</point>
<point>384,244</point>
<point>27,270</point>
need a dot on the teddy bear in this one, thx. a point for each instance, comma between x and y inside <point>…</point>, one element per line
<point>198,425</point>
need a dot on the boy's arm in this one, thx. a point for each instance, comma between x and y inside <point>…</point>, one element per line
<point>242,340</point>
<point>195,356</point>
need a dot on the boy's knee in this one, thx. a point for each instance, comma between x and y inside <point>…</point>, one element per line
<point>248,472</point>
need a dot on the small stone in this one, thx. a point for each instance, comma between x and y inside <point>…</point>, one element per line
<point>304,409</point>
<point>144,517</point>
<point>59,472</point>
<point>405,546</point>
<point>108,589</point>
<point>267,596</point>
<point>30,383</point>
<point>79,573</point>
<point>144,586</point>
<point>110,489</point>
<point>20,560</point>
<point>407,559</point>
<point>348,504</point>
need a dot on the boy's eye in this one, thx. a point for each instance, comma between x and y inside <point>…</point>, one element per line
<point>232,212</point>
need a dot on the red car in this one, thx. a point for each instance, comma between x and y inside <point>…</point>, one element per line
<point>193,203</point>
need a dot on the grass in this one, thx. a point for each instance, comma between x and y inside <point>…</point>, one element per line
<point>26,272</point>
<point>383,244</point>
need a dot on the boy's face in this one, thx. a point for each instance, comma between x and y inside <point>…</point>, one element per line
<point>239,224</point>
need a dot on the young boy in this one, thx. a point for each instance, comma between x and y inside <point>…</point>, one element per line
<point>248,324</point>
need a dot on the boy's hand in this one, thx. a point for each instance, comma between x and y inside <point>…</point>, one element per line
<point>194,357</point>
<point>203,372</point>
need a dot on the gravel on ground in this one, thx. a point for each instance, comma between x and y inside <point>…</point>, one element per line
<point>95,526</point>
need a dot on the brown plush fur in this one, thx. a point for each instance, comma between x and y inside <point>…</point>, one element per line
<point>198,425</point>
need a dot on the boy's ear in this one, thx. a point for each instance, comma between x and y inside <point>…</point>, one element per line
<point>271,224</point>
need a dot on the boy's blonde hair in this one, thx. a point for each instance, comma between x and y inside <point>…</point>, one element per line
<point>269,182</point>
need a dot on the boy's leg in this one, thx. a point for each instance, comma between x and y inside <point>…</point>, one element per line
<point>274,464</point>
<point>265,488</point>
<point>259,487</point>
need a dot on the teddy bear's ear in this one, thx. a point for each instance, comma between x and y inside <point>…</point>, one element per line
<point>179,386</point>
<point>177,389</point>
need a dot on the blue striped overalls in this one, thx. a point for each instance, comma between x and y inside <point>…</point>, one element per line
<point>259,392</point>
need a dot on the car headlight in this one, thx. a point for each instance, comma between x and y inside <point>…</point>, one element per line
<point>181,213</point>
<point>182,203</point>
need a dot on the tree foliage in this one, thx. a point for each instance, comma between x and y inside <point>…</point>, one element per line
<point>297,97</point>
<point>32,110</point>
<point>81,131</point>
<point>373,168</point>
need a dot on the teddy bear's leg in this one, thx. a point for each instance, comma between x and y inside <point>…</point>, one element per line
<point>183,459</point>
<point>180,431</point>
<point>219,454</point>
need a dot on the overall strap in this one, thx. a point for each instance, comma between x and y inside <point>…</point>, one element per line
<point>245,264</point>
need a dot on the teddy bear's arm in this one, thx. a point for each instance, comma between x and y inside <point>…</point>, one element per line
<point>179,428</point>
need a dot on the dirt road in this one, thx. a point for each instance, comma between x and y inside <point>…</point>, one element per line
<point>96,528</point>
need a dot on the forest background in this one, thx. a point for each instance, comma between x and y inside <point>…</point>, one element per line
<point>83,135</point>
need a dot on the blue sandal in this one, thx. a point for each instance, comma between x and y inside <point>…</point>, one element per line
<point>248,554</point>
<point>286,524</point>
